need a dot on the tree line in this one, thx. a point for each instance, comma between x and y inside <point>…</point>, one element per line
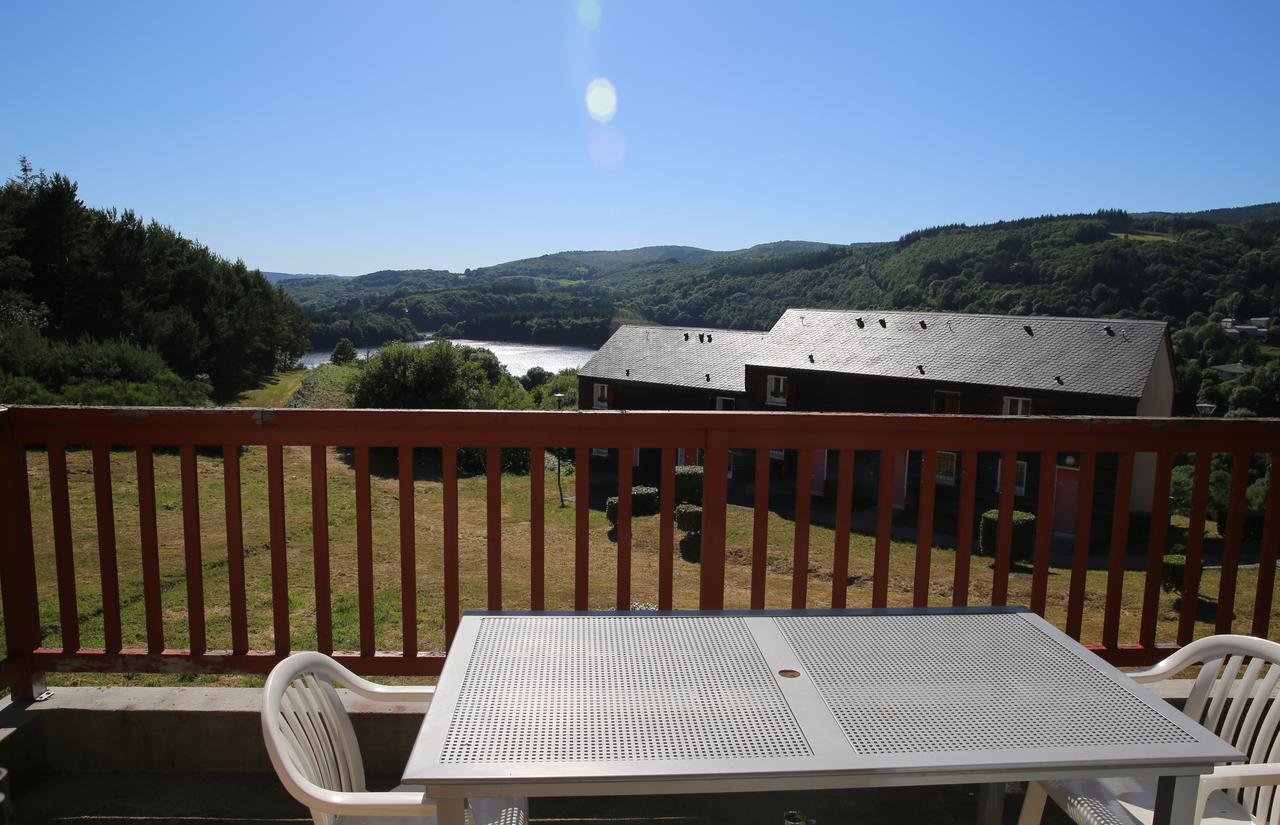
<point>99,306</point>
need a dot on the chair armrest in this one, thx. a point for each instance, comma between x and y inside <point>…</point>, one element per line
<point>1241,776</point>
<point>369,803</point>
<point>391,693</point>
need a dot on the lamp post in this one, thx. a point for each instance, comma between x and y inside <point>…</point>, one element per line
<point>559,396</point>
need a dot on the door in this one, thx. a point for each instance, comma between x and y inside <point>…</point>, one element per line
<point>1066,490</point>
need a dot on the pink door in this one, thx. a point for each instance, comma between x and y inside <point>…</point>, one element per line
<point>1066,490</point>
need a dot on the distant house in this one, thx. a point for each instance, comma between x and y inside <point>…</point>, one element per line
<point>906,362</point>
<point>1231,371</point>
<point>1256,328</point>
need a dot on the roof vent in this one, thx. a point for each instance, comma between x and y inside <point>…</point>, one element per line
<point>921,368</point>
<point>923,325</point>
<point>708,338</point>
<point>861,323</point>
<point>708,376</point>
<point>686,336</point>
<point>1028,330</point>
<point>1058,378</point>
<point>1110,331</point>
<point>700,337</point>
<point>628,372</point>
<point>811,358</point>
<point>884,323</point>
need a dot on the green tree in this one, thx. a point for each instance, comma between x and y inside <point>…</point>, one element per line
<point>344,352</point>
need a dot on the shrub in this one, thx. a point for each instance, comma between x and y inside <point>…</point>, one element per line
<point>689,518</point>
<point>344,352</point>
<point>644,501</point>
<point>691,547</point>
<point>1173,572</point>
<point>1024,534</point>
<point>689,484</point>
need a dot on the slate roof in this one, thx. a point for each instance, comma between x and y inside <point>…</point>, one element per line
<point>662,355</point>
<point>1075,355</point>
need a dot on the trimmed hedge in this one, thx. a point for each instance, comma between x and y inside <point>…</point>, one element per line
<point>1024,534</point>
<point>689,518</point>
<point>1173,572</point>
<point>689,484</point>
<point>644,502</point>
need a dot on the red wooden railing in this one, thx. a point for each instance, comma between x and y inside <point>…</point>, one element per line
<point>54,430</point>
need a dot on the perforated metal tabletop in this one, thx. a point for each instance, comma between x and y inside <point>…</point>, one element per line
<point>558,704</point>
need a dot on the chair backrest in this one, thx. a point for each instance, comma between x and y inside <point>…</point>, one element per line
<point>308,733</point>
<point>1234,696</point>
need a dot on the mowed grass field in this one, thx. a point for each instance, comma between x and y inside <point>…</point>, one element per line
<point>472,542</point>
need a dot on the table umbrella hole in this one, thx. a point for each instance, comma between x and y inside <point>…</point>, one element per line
<point>789,674</point>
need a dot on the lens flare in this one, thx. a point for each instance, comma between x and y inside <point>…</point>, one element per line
<point>602,100</point>
<point>589,13</point>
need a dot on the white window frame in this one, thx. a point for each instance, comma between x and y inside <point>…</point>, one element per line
<point>1015,405</point>
<point>726,403</point>
<point>777,455</point>
<point>775,399</point>
<point>598,402</point>
<point>600,452</point>
<point>945,394</point>
<point>946,479</point>
<point>1019,481</point>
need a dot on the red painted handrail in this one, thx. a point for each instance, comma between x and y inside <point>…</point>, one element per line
<point>877,437</point>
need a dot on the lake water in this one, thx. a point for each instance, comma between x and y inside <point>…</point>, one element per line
<point>517,358</point>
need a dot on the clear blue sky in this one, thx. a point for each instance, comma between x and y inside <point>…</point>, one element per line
<point>327,137</point>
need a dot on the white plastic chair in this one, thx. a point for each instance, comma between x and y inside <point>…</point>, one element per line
<point>1235,668</point>
<point>314,751</point>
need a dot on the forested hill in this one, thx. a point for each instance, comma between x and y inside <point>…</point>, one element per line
<point>99,307</point>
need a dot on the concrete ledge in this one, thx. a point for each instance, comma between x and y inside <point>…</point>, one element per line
<point>175,730</point>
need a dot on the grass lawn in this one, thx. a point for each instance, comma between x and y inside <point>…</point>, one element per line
<point>472,541</point>
<point>275,393</point>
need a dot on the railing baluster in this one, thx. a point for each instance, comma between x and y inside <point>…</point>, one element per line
<point>408,554</point>
<point>624,529</point>
<point>964,527</point>
<point>493,525</point>
<point>1080,553</point>
<point>191,548</point>
<point>1195,547</point>
<point>537,528</point>
<point>104,508</point>
<point>884,530</point>
<point>1119,544</point>
<point>667,529</point>
<point>235,549</point>
<point>449,480</point>
<point>17,561</point>
<point>1155,549</point>
<point>150,548</point>
<point>581,527</point>
<point>364,553</point>
<point>1044,530</point>
<point>279,552</point>
<point>1267,553</point>
<point>800,555</point>
<point>760,530</point>
<point>320,546</point>
<point>924,528</point>
<point>715,493</point>
<point>1004,528</point>
<point>68,605</point>
<point>844,515</point>
<point>1231,545</point>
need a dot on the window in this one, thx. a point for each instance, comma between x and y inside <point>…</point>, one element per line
<point>600,398</point>
<point>946,402</point>
<point>776,391</point>
<point>1019,483</point>
<point>723,403</point>
<point>946,469</point>
<point>1014,405</point>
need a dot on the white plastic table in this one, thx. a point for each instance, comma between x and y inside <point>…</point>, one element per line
<point>667,703</point>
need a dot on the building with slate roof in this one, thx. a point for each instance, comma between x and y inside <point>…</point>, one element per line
<point>904,362</point>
